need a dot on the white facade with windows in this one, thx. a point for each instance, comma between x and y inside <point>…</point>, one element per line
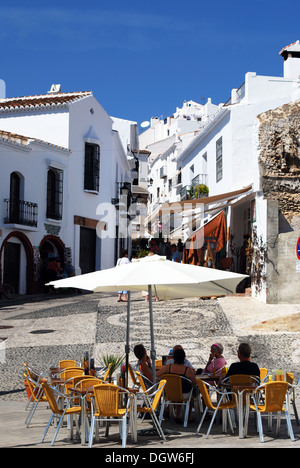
<point>227,145</point>
<point>72,166</point>
<point>166,139</point>
<point>223,154</point>
<point>34,193</point>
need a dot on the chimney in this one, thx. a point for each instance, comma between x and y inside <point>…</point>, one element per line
<point>55,89</point>
<point>291,56</point>
<point>2,89</point>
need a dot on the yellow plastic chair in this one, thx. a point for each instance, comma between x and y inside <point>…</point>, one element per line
<point>144,382</point>
<point>107,372</point>
<point>276,395</point>
<point>223,403</point>
<point>173,395</point>
<point>51,393</point>
<point>66,363</point>
<point>88,384</point>
<point>263,373</point>
<point>73,381</point>
<point>293,380</point>
<point>242,379</point>
<point>72,372</point>
<point>151,400</point>
<point>106,405</point>
<point>158,364</point>
<point>36,377</point>
<point>133,376</point>
<point>37,396</point>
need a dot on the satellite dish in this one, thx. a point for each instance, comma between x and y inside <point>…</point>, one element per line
<point>145,124</point>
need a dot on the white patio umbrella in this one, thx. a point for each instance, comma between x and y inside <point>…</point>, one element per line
<point>170,280</point>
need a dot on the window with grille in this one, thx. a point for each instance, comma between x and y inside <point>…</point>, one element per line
<point>92,167</point>
<point>54,193</point>
<point>219,159</point>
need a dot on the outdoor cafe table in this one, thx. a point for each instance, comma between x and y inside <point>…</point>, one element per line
<point>57,381</point>
<point>241,389</point>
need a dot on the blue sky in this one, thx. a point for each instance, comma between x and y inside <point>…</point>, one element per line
<point>142,59</point>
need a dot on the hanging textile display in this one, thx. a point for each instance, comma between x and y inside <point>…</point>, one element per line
<point>202,247</point>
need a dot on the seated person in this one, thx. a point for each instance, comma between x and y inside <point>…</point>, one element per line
<point>186,361</point>
<point>181,369</point>
<point>216,361</point>
<point>244,366</point>
<point>144,364</point>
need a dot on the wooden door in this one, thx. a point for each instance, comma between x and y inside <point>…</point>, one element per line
<point>11,270</point>
<point>87,256</point>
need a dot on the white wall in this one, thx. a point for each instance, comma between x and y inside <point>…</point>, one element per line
<point>261,89</point>
<point>51,127</point>
<point>96,128</point>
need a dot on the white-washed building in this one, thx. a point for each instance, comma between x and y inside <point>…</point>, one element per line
<point>34,194</point>
<point>65,160</point>
<point>228,151</point>
<point>137,199</point>
<point>166,139</point>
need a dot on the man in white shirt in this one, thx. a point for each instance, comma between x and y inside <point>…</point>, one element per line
<point>186,361</point>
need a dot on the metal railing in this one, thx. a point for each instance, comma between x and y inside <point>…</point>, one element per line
<point>199,180</point>
<point>21,212</point>
<point>189,191</point>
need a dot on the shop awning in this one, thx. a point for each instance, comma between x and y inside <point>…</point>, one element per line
<point>213,199</point>
<point>138,190</point>
<point>213,203</point>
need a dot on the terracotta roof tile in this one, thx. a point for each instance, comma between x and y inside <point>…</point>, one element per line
<point>14,138</point>
<point>293,46</point>
<point>24,141</point>
<point>41,100</point>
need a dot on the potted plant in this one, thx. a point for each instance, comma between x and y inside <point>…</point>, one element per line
<point>116,361</point>
<point>201,190</point>
<point>190,192</point>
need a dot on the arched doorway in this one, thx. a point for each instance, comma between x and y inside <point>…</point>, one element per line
<point>16,257</point>
<point>51,247</point>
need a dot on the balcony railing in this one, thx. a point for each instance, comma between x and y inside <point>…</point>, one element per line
<point>190,193</point>
<point>199,180</point>
<point>21,212</point>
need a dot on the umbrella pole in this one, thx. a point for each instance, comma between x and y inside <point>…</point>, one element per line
<point>127,347</point>
<point>153,352</point>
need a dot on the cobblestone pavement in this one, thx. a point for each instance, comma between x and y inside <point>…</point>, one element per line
<point>42,329</point>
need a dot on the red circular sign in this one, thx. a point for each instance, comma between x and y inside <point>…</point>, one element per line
<point>298,248</point>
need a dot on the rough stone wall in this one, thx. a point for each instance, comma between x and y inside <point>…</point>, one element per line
<point>279,161</point>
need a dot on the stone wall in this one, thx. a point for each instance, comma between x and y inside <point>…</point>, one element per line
<point>288,272</point>
<point>279,161</point>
